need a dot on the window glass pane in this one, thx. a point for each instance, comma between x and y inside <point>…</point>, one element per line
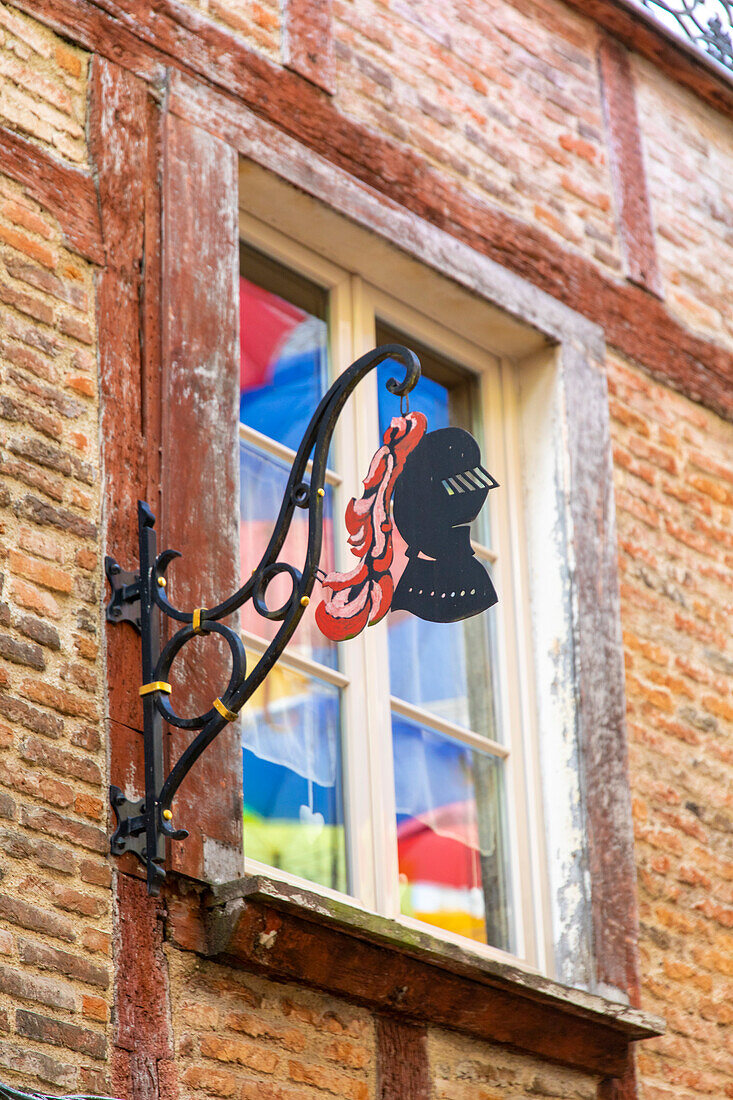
<point>293,794</point>
<point>450,835</point>
<point>448,395</point>
<point>283,348</point>
<point>445,669</point>
<point>262,487</point>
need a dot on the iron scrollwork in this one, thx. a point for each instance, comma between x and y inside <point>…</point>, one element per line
<point>144,825</point>
<point>705,23</point>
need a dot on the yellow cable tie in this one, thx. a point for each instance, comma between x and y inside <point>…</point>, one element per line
<point>224,710</point>
<point>157,685</point>
<point>198,617</point>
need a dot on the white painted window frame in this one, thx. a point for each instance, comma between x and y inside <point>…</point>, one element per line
<point>354,306</point>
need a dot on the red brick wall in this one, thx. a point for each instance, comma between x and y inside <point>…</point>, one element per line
<point>674,498</point>
<point>55,912</point>
<point>241,1036</point>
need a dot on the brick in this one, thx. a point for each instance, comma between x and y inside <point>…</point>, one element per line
<point>29,304</point>
<point>250,1024</point>
<point>81,384</point>
<point>580,148</point>
<point>328,1081</point>
<point>99,874</point>
<point>94,1008</point>
<point>241,1053</point>
<point>54,824</point>
<point>96,1082</point>
<point>47,515</point>
<point>21,215</point>
<point>89,805</point>
<point>42,852</point>
<point>78,967</point>
<point>8,806</point>
<point>48,396</point>
<point>74,901</point>
<point>22,653</point>
<point>34,599</point>
<point>330,1022</point>
<point>47,282</point>
<point>32,477</point>
<point>15,710</point>
<point>40,631</point>
<point>94,940</point>
<point>86,738</point>
<point>59,760</point>
<point>27,987</point>
<point>348,1055</point>
<point>45,1030</point>
<point>28,360</point>
<point>44,253</point>
<point>265,1090</point>
<point>74,326</point>
<point>36,920</point>
<point>20,1059</point>
<point>45,454</point>
<point>65,702</point>
<point>214,1082</point>
<point>18,411</point>
<point>86,558</point>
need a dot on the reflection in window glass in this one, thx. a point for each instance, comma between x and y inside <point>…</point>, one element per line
<point>291,732</point>
<point>450,834</point>
<point>293,800</point>
<point>445,669</point>
<point>284,352</point>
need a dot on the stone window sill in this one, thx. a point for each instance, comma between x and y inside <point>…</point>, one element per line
<point>291,934</point>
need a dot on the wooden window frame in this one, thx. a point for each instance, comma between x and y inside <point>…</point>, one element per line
<point>354,308</point>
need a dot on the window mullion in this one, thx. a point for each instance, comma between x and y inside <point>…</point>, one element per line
<point>513,656</point>
<point>377,718</point>
<point>354,697</point>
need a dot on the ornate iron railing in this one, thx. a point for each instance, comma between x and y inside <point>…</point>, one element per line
<point>707,24</point>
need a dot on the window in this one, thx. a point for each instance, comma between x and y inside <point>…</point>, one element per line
<point>391,768</point>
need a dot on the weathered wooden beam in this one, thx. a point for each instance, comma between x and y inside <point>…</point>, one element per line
<point>633,209</point>
<point>200,512</point>
<point>67,193</point>
<point>403,1069</point>
<point>309,46</point>
<point>290,934</point>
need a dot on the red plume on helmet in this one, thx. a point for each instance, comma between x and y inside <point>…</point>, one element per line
<point>365,594</point>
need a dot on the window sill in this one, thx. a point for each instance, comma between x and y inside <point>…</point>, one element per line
<point>292,934</point>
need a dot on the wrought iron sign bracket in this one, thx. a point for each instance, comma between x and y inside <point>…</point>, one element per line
<point>143,826</point>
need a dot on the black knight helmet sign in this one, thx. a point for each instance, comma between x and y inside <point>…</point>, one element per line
<point>429,486</point>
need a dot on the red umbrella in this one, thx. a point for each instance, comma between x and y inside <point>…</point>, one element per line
<point>441,846</point>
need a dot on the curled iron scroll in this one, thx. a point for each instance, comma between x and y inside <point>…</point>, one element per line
<point>299,493</point>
